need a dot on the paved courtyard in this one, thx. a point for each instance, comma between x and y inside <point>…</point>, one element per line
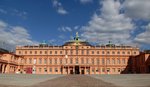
<point>129,80</point>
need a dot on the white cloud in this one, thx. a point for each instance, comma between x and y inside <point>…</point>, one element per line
<point>14,12</point>
<point>14,35</point>
<point>137,8</point>
<point>65,29</point>
<point>2,25</point>
<point>3,11</point>
<point>22,14</point>
<point>76,27</point>
<point>144,37</point>
<point>60,9</point>
<point>62,36</point>
<point>109,25</point>
<point>86,1</point>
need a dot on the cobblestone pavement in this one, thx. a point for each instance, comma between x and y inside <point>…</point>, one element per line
<point>71,81</point>
<point>74,81</point>
<point>130,80</point>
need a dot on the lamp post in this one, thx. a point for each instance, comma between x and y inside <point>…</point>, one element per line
<point>34,67</point>
<point>65,62</point>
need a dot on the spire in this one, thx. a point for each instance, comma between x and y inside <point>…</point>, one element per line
<point>77,36</point>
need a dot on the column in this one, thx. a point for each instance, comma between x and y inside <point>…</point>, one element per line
<point>0,68</point>
<point>68,70</point>
<point>90,70</point>
<point>84,68</point>
<point>80,70</point>
<point>73,70</point>
<point>3,68</point>
<point>7,68</point>
<point>62,69</point>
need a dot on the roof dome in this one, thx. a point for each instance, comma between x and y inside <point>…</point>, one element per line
<point>77,42</point>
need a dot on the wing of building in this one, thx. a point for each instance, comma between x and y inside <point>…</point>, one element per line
<point>77,57</point>
<point>10,62</point>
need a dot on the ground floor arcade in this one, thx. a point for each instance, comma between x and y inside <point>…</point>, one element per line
<point>74,69</point>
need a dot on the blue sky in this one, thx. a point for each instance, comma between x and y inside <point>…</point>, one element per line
<point>29,22</point>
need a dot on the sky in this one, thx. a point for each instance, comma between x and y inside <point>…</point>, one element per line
<point>30,22</point>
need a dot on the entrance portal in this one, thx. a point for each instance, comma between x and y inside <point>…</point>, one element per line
<point>82,71</point>
<point>71,71</point>
<point>149,69</point>
<point>77,70</point>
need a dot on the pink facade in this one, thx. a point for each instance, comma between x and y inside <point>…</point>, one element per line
<point>10,63</point>
<point>77,57</point>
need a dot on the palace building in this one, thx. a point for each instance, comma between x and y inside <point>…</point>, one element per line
<point>77,57</point>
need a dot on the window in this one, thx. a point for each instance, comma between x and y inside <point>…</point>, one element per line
<point>76,51</point>
<point>40,52</point>
<point>98,61</point>
<point>40,69</point>
<point>50,69</point>
<point>123,52</point>
<point>103,52</point>
<point>45,61</point>
<point>128,52</point>
<point>66,52</point>
<point>82,61</point>
<point>76,60</point>
<point>66,61</point>
<point>87,61</point>
<point>87,52</point>
<point>123,61</point>
<point>40,61</point>
<point>108,52</point>
<point>71,52</point>
<point>55,61</point>
<point>45,52</point>
<point>55,52</point>
<point>34,61</point>
<point>97,52</point>
<point>118,52</point>
<point>108,61</point>
<point>92,61</point>
<point>60,52</point>
<point>19,52</point>
<point>118,61</point>
<point>35,52</point>
<point>60,61</point>
<point>71,60</point>
<point>50,52</point>
<point>25,61</point>
<point>61,70</point>
<point>103,61</point>
<point>92,69</point>
<point>113,61</point>
<point>113,52</point>
<point>50,61</point>
<point>82,52</point>
<point>25,52</point>
<point>30,61</point>
<point>92,52</point>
